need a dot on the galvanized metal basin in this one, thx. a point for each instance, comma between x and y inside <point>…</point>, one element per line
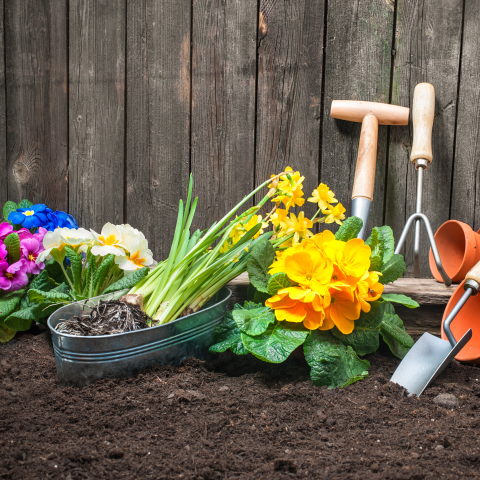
<point>83,360</point>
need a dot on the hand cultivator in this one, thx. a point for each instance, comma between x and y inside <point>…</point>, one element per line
<point>423,113</point>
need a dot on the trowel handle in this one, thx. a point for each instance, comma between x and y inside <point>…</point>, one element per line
<point>474,273</point>
<point>423,112</point>
<point>364,182</point>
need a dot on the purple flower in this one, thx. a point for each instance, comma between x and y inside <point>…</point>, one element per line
<point>13,277</point>
<point>40,234</point>
<point>3,251</point>
<point>31,247</point>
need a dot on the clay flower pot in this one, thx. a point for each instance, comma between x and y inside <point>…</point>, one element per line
<point>466,318</point>
<point>459,249</point>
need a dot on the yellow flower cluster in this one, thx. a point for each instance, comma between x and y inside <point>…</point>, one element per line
<point>287,191</point>
<point>332,284</point>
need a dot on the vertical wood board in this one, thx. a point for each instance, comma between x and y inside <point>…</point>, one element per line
<point>290,56</point>
<point>3,117</point>
<point>223,105</point>
<point>358,63</point>
<point>466,175</point>
<point>36,76</point>
<point>96,113</point>
<point>158,118</point>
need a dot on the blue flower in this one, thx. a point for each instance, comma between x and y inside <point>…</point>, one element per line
<point>65,220</point>
<point>31,217</point>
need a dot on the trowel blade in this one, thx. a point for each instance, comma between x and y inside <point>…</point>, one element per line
<point>425,361</point>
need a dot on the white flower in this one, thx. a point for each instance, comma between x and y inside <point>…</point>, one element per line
<point>51,240</point>
<point>140,255</point>
<point>128,233</point>
<point>109,241</point>
<point>77,238</point>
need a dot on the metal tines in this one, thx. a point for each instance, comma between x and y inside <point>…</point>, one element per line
<point>423,112</point>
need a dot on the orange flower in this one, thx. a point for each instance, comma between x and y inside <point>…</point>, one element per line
<point>310,269</point>
<point>296,304</point>
<point>344,308</point>
<point>368,290</point>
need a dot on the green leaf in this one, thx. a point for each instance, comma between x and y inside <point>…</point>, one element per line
<point>227,336</point>
<point>251,290</point>
<point>129,281</point>
<point>260,297</point>
<point>90,276</point>
<point>25,204</point>
<point>399,298</point>
<point>76,265</point>
<point>350,229</point>
<point>9,302</point>
<point>332,363</point>
<point>54,270</point>
<point>21,320</point>
<point>394,334</point>
<point>393,269</point>
<point>375,242</point>
<point>277,282</point>
<point>102,273</point>
<point>258,263</point>
<point>277,342</point>
<point>12,242</point>
<point>62,288</point>
<point>41,282</point>
<point>365,336</point>
<point>8,208</point>
<point>53,296</point>
<point>255,321</point>
<point>6,334</point>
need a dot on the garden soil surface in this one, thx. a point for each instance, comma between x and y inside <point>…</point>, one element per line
<point>232,417</point>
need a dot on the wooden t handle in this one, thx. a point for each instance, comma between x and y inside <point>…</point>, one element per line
<point>423,112</point>
<point>474,273</point>
<point>364,182</point>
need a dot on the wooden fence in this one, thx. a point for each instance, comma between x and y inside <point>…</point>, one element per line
<point>108,105</point>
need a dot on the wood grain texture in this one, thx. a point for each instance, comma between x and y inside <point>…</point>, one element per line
<point>96,114</point>
<point>466,175</point>
<point>223,105</point>
<point>3,116</point>
<point>427,45</point>
<point>290,56</point>
<point>358,61</point>
<point>37,123</point>
<point>158,119</point>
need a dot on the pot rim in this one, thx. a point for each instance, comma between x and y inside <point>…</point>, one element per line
<point>202,310</point>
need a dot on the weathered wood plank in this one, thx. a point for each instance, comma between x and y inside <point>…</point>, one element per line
<point>358,62</point>
<point>427,46</point>
<point>96,113</point>
<point>36,76</point>
<point>3,116</point>
<point>158,121</point>
<point>290,56</point>
<point>223,105</point>
<point>466,175</point>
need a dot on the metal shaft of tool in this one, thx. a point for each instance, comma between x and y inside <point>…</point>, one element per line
<point>417,269</point>
<point>471,288</point>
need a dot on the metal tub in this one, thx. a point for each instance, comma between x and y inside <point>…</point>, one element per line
<point>83,360</point>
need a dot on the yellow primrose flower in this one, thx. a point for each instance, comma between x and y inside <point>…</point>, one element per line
<point>323,196</point>
<point>300,226</point>
<point>334,214</point>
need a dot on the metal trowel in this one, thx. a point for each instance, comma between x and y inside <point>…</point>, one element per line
<point>430,355</point>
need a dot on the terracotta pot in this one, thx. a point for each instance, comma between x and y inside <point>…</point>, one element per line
<point>459,249</point>
<point>465,319</point>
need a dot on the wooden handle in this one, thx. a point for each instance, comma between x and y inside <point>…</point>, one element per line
<point>423,112</point>
<point>355,111</point>
<point>474,273</point>
<point>364,182</point>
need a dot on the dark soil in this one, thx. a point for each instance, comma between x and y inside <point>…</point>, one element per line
<point>235,417</point>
